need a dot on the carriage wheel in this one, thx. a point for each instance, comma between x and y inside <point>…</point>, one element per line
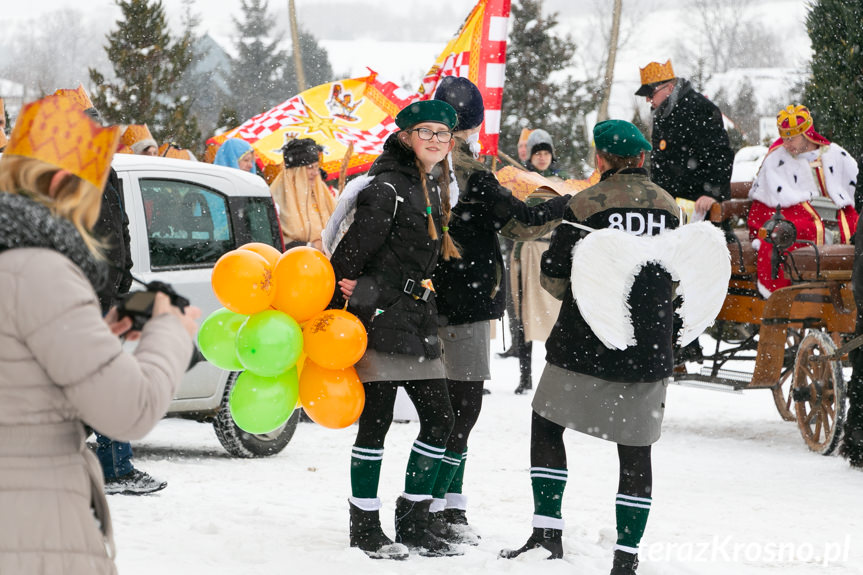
<point>782,390</point>
<point>818,391</point>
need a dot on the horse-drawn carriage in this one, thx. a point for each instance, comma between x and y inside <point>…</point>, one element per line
<point>792,340</point>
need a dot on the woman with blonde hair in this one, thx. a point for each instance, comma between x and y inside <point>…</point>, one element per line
<point>305,202</point>
<point>62,365</point>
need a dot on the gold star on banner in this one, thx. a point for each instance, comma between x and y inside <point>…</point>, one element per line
<point>315,123</point>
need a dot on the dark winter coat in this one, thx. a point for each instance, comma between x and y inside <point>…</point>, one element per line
<point>572,345</point>
<point>112,229</point>
<point>472,289</point>
<point>388,248</point>
<point>691,154</point>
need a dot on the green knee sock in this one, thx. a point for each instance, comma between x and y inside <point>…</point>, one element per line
<point>632,515</point>
<point>548,485</point>
<point>365,471</point>
<point>448,468</point>
<point>456,484</point>
<point>422,470</point>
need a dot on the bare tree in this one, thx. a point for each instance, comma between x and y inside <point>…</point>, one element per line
<point>728,35</point>
<point>56,49</point>
<point>608,79</point>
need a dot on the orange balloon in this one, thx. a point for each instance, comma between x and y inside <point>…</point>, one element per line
<point>333,398</point>
<point>243,282</point>
<point>269,253</point>
<point>334,339</point>
<point>305,281</point>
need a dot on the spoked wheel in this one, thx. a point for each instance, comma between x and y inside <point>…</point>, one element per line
<point>818,392</point>
<point>782,390</point>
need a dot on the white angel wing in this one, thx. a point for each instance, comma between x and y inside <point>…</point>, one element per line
<point>606,263</point>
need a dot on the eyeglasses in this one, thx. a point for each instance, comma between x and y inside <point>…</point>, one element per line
<point>653,93</point>
<point>425,134</point>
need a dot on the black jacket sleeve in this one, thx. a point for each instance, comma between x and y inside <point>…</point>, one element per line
<point>483,187</point>
<point>368,232</point>
<point>112,228</point>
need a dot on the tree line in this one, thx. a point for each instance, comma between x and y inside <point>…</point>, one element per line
<point>154,78</point>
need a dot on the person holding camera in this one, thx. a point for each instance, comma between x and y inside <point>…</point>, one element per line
<point>62,364</point>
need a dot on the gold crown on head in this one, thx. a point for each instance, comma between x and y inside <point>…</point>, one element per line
<point>793,121</point>
<point>54,130</point>
<point>656,72</point>
<point>168,150</point>
<point>78,95</point>
<point>135,133</point>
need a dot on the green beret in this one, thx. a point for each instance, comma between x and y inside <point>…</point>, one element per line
<point>620,138</point>
<point>427,111</point>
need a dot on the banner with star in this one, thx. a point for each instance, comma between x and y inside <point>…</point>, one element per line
<point>358,111</point>
<point>478,53</point>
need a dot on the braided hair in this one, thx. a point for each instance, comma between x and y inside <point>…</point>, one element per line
<point>448,247</point>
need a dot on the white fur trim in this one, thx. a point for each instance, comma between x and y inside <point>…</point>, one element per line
<point>437,505</point>
<point>606,263</point>
<point>756,244</point>
<point>545,522</point>
<point>762,289</point>
<point>456,501</point>
<point>416,497</point>
<point>366,504</point>
<point>787,180</point>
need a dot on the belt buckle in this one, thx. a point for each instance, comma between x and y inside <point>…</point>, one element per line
<point>426,293</point>
<point>409,287</point>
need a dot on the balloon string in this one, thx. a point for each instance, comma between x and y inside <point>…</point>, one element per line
<point>347,301</point>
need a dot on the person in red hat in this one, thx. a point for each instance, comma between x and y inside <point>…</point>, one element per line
<point>801,166</point>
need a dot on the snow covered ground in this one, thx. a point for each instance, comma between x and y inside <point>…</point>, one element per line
<point>736,492</point>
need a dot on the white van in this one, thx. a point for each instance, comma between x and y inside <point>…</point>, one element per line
<point>183,216</point>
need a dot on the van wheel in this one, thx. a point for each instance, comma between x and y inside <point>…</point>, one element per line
<point>242,444</point>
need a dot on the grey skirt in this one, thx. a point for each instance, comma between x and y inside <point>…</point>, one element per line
<point>466,351</point>
<point>625,413</point>
<point>380,366</point>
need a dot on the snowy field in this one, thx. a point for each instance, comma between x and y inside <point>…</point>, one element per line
<point>736,492</point>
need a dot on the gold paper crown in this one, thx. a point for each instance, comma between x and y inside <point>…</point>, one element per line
<point>136,133</point>
<point>78,95</point>
<point>656,72</point>
<point>793,121</point>
<point>54,130</point>
<point>525,134</point>
<point>167,150</point>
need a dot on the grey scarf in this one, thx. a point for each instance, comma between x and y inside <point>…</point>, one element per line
<point>25,223</point>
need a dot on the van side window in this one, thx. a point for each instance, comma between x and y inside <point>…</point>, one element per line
<point>187,224</point>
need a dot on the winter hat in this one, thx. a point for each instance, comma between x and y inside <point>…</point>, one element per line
<point>653,75</point>
<point>427,111</point>
<point>231,151</point>
<point>301,152</point>
<point>464,96</point>
<point>620,138</point>
<point>538,141</point>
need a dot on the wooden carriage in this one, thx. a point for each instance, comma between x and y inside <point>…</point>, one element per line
<point>794,338</point>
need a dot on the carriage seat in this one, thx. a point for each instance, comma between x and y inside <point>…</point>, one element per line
<point>744,258</point>
<point>826,262</point>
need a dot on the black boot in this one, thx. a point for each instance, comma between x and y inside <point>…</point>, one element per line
<point>852,441</point>
<point>624,563</point>
<point>366,533</point>
<point>524,368</point>
<point>413,529</point>
<point>549,539</point>
<point>449,532</point>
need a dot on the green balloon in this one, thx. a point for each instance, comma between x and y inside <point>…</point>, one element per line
<point>263,404</point>
<point>217,339</point>
<point>269,343</point>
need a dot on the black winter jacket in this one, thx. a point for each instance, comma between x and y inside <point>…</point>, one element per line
<point>472,289</point>
<point>625,196</point>
<point>388,248</point>
<point>691,154</point>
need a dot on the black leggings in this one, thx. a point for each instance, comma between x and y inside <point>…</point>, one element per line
<point>466,400</point>
<point>547,450</point>
<point>429,396</point>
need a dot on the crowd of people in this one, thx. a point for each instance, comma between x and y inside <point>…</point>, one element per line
<point>421,264</point>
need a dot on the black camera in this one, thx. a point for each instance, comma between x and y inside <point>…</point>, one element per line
<point>138,305</point>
